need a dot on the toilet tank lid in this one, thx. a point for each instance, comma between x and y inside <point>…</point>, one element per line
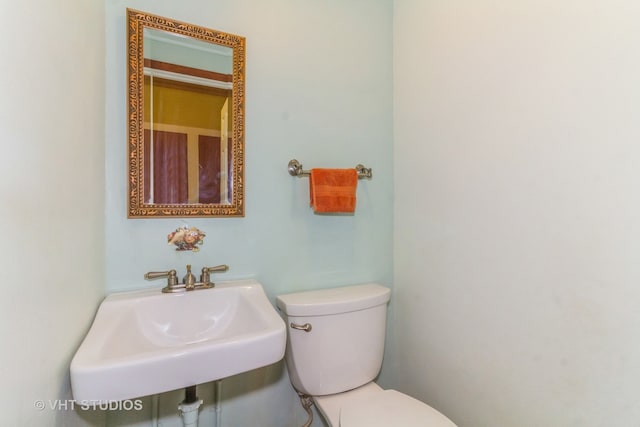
<point>334,300</point>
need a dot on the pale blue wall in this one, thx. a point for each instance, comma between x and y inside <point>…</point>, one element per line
<point>516,255</point>
<point>319,89</point>
<point>51,201</point>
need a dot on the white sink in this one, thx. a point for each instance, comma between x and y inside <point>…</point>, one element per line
<point>147,342</point>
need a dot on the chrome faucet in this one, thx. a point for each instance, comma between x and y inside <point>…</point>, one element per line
<point>188,281</point>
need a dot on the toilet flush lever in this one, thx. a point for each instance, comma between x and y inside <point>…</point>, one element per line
<point>306,327</point>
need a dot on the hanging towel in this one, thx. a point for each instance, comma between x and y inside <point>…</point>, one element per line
<point>333,190</point>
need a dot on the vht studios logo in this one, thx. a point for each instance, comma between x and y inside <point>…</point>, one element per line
<point>70,405</point>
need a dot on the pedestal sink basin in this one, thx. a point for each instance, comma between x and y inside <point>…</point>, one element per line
<point>146,342</point>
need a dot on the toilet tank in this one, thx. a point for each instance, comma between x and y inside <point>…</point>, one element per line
<point>344,347</point>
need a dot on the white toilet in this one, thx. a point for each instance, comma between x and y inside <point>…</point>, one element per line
<point>334,352</point>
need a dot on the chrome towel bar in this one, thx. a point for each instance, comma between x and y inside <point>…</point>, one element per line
<point>295,169</point>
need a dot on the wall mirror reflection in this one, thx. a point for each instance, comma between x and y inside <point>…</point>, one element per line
<point>186,119</point>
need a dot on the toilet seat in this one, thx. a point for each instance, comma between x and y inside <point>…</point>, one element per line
<point>372,406</point>
<point>391,408</point>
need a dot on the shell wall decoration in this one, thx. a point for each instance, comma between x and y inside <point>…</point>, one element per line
<point>186,239</point>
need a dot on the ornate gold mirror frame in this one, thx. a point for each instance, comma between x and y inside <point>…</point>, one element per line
<point>140,205</point>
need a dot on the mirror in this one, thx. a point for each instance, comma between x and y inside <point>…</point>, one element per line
<point>186,119</point>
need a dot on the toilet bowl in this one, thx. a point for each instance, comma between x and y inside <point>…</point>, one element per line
<point>335,344</point>
<point>372,406</point>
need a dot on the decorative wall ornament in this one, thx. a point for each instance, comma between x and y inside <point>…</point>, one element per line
<point>186,239</point>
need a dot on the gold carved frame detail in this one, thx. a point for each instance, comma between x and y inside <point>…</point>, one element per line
<point>137,208</point>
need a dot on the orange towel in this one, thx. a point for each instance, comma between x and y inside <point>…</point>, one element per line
<point>333,190</point>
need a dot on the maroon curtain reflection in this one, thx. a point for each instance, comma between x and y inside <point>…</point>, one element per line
<point>170,180</point>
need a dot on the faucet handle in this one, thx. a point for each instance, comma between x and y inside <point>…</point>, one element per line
<point>159,274</point>
<point>205,277</point>
<point>171,275</point>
